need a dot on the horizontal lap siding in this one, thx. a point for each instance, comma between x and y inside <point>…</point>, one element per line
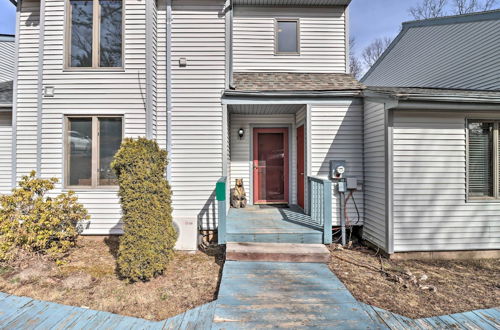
<point>337,134</point>
<point>198,35</point>
<point>79,93</point>
<point>322,40</point>
<point>5,156</point>
<point>374,228</point>
<point>241,156</point>
<point>27,88</point>
<point>7,60</point>
<point>430,207</point>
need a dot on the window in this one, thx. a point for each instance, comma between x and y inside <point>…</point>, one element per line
<point>91,143</point>
<point>95,34</point>
<point>287,36</point>
<point>483,159</point>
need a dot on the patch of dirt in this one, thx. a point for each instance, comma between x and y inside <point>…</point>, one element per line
<point>87,278</point>
<point>418,288</point>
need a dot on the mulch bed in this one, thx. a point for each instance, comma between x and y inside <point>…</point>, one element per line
<point>417,288</point>
<point>88,278</point>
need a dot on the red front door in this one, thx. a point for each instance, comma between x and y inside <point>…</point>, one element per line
<point>300,166</point>
<point>270,165</point>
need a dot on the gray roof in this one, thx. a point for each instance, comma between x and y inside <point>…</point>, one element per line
<point>292,2</point>
<point>290,81</point>
<point>6,89</point>
<point>454,52</point>
<point>7,61</point>
<point>435,94</point>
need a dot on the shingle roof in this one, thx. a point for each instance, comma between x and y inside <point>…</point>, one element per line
<point>6,90</point>
<point>289,81</point>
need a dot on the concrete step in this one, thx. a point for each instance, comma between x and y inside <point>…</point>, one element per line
<point>279,252</point>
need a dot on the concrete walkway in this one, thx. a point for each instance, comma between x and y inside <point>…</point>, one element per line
<point>252,295</point>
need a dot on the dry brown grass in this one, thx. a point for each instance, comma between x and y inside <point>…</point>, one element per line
<point>459,285</point>
<point>88,279</point>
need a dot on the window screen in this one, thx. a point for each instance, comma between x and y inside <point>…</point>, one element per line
<point>287,36</point>
<point>481,159</point>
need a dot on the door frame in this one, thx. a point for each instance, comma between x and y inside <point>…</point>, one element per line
<point>304,156</point>
<point>254,153</point>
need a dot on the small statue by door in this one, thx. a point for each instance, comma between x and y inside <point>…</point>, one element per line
<point>238,195</point>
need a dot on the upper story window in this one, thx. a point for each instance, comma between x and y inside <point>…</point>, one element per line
<point>287,36</point>
<point>95,34</point>
<point>483,159</point>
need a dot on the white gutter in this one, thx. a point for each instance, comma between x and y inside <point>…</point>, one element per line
<point>169,88</point>
<point>14,96</point>
<point>39,114</point>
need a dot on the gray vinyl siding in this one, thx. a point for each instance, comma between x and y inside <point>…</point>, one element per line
<point>322,39</point>
<point>7,60</point>
<point>77,93</point>
<point>462,56</point>
<point>241,149</point>
<point>5,151</point>
<point>375,221</point>
<point>198,35</point>
<point>431,211</point>
<point>337,134</point>
<point>26,97</point>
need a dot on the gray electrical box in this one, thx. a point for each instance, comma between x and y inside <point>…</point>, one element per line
<point>337,169</point>
<point>341,187</point>
<point>352,183</point>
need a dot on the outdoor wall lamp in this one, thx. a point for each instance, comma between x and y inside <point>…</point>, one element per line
<point>241,132</point>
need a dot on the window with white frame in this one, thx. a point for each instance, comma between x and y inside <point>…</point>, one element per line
<point>287,35</point>
<point>95,34</point>
<point>483,159</point>
<point>91,144</point>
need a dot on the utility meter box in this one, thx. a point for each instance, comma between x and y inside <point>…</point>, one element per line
<point>352,183</point>
<point>338,169</point>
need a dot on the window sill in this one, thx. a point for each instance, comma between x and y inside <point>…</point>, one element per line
<point>480,200</point>
<point>82,70</point>
<point>90,189</point>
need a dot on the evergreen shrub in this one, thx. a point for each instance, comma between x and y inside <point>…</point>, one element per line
<point>32,222</point>
<point>149,236</point>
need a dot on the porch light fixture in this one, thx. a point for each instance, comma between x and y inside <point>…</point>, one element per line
<point>241,132</point>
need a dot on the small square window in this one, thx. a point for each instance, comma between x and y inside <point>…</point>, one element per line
<point>287,36</point>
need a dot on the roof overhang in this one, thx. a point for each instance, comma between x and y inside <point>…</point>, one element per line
<point>438,100</point>
<point>286,97</point>
<point>298,3</point>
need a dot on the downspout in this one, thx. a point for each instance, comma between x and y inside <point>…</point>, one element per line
<point>346,36</point>
<point>149,67</point>
<point>14,94</point>
<point>39,113</point>
<point>231,52</point>
<point>169,88</point>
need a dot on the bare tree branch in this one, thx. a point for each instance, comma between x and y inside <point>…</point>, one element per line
<point>373,51</point>
<point>355,66</point>
<point>428,9</point>
<point>472,6</point>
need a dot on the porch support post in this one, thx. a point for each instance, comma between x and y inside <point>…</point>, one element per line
<point>327,209</point>
<point>220,195</point>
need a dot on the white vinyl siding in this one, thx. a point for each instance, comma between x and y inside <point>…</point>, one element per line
<point>375,221</point>
<point>7,59</point>
<point>198,34</point>
<point>5,151</point>
<point>241,149</point>
<point>26,97</point>
<point>337,134</point>
<point>322,40</point>
<point>431,211</point>
<point>77,93</point>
